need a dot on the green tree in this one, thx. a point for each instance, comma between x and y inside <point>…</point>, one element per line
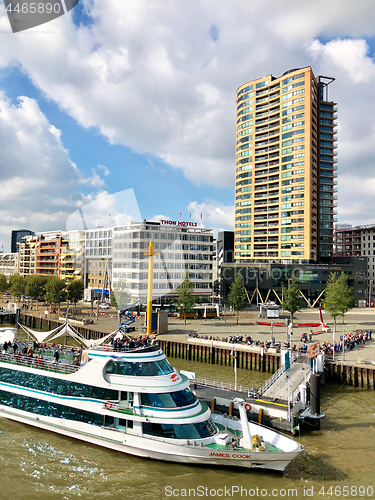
<point>55,291</point>
<point>75,291</point>
<point>114,301</point>
<point>237,297</point>
<point>35,286</point>
<point>292,300</point>
<point>16,285</point>
<point>338,296</point>
<point>186,300</point>
<point>121,295</point>
<point>3,284</point>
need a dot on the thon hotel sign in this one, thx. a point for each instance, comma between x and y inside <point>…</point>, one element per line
<point>179,223</point>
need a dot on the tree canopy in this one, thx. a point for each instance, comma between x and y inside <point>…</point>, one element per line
<point>339,297</point>
<point>3,283</point>
<point>36,286</point>
<point>186,300</point>
<point>55,290</point>
<point>237,297</point>
<point>16,285</point>
<point>292,301</point>
<point>75,290</point>
<point>121,296</point>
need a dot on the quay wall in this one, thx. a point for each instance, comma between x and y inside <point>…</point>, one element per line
<point>335,372</point>
<point>246,359</point>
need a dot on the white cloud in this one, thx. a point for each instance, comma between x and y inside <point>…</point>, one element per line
<point>39,183</point>
<point>214,215</point>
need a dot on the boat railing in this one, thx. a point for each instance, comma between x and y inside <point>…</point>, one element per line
<point>31,362</point>
<point>219,384</point>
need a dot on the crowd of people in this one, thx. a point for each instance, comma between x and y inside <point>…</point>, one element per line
<point>35,352</point>
<point>125,343</point>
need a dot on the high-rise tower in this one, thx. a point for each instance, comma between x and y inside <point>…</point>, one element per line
<point>285,168</point>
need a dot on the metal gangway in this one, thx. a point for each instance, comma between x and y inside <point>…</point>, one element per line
<point>285,384</point>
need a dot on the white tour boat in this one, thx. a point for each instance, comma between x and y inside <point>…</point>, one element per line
<point>136,403</point>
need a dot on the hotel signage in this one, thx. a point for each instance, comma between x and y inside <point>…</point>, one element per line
<point>178,223</point>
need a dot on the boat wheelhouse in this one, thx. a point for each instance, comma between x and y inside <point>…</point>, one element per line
<point>134,402</point>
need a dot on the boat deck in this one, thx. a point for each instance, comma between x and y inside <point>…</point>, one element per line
<point>40,364</point>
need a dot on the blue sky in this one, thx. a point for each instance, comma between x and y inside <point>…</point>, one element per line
<point>133,94</point>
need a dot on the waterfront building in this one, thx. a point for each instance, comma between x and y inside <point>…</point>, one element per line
<point>98,261</point>
<point>358,241</point>
<point>53,253</point>
<point>9,263</point>
<point>180,247</point>
<point>17,238</point>
<point>286,166</point>
<point>26,252</point>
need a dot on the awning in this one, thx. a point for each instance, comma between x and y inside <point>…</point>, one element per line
<point>77,272</point>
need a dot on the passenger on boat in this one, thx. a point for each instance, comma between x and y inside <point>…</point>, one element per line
<point>56,356</point>
<point>15,347</point>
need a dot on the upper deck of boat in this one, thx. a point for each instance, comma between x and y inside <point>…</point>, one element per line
<point>43,359</point>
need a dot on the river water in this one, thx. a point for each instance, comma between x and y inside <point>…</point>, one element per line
<point>45,466</point>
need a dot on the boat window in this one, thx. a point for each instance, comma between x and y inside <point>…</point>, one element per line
<point>139,369</point>
<point>185,431</point>
<point>169,400</point>
<point>55,386</point>
<point>51,409</point>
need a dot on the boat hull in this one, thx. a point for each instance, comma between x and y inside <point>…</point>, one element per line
<point>145,447</point>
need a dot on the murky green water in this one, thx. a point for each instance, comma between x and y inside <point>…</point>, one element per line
<point>43,466</point>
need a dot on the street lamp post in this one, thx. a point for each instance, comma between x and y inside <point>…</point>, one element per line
<point>369,292</point>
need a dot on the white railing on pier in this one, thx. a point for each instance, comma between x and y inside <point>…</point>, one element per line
<point>219,384</point>
<point>276,375</point>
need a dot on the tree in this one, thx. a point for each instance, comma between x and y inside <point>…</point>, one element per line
<point>75,291</point>
<point>292,301</point>
<point>338,296</point>
<point>16,285</point>
<point>3,283</point>
<point>55,291</point>
<point>121,295</point>
<point>237,296</point>
<point>186,299</point>
<point>114,301</point>
<point>35,286</point>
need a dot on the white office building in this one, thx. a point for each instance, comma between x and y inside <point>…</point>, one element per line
<point>180,247</point>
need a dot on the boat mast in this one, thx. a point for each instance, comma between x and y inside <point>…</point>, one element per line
<point>150,253</point>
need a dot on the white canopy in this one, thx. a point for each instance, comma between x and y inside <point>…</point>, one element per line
<point>7,335</point>
<point>64,329</point>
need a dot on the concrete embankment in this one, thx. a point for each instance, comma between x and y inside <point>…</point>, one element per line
<point>252,358</point>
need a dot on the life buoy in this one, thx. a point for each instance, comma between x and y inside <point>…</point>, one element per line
<point>247,407</point>
<point>106,347</point>
<point>107,405</point>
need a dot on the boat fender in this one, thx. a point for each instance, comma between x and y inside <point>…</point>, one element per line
<point>247,407</point>
<point>108,405</point>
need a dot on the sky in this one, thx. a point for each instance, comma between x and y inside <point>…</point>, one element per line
<point>139,95</point>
